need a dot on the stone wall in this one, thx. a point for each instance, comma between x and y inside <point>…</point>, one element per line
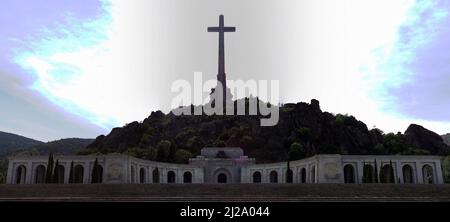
<point>118,168</point>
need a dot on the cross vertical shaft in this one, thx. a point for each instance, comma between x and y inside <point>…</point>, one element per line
<point>221,29</point>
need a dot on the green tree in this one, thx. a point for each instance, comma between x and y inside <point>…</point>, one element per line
<point>182,156</point>
<point>49,172</point>
<point>71,179</point>
<point>163,150</point>
<point>56,172</point>
<point>394,143</point>
<point>145,140</point>
<point>219,143</point>
<point>296,151</point>
<point>96,172</point>
<point>379,149</point>
<point>376,172</point>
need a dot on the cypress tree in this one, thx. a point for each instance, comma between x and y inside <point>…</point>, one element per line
<point>376,172</point>
<point>49,172</point>
<point>289,176</point>
<point>366,174</point>
<point>391,173</point>
<point>56,173</point>
<point>95,175</point>
<point>71,179</point>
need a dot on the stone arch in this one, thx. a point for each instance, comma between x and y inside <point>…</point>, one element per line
<point>40,174</point>
<point>78,174</point>
<point>142,175</point>
<point>187,177</point>
<point>133,175</point>
<point>303,175</point>
<point>313,174</point>
<point>171,177</point>
<point>222,176</point>
<point>408,174</point>
<point>428,176</point>
<point>289,176</point>
<point>273,176</point>
<point>257,177</point>
<point>59,173</point>
<point>155,175</point>
<point>387,174</point>
<point>21,174</point>
<point>368,174</point>
<point>349,174</point>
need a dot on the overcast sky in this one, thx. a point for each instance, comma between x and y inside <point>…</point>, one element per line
<point>77,68</point>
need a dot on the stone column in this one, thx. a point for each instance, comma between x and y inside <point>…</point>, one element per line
<point>419,173</point>
<point>179,176</point>
<point>29,172</point>
<point>399,172</point>
<point>85,172</point>
<point>66,172</point>
<point>9,175</point>
<point>439,176</point>
<point>359,172</point>
<point>282,173</point>
<point>163,175</point>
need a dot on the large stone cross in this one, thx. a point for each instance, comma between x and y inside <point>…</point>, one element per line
<point>221,29</point>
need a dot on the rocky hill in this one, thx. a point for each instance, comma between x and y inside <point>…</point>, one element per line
<point>162,136</point>
<point>446,138</point>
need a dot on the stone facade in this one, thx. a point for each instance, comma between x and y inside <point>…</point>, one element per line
<point>229,165</point>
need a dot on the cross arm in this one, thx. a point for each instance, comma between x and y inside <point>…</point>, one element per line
<point>213,29</point>
<point>221,29</point>
<point>229,29</point>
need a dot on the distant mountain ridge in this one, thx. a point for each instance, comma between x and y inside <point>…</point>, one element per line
<point>10,142</point>
<point>67,146</point>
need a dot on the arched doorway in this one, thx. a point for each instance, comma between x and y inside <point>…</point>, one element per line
<point>257,177</point>
<point>387,174</point>
<point>187,177</point>
<point>428,177</point>
<point>303,175</point>
<point>21,173</point>
<point>222,178</point>
<point>349,174</point>
<point>408,175</point>
<point>59,174</point>
<point>313,174</point>
<point>222,175</point>
<point>368,174</point>
<point>273,176</point>
<point>170,177</point>
<point>40,174</point>
<point>142,176</point>
<point>78,174</point>
<point>155,176</point>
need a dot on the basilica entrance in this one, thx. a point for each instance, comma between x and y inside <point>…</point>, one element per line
<point>222,178</point>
